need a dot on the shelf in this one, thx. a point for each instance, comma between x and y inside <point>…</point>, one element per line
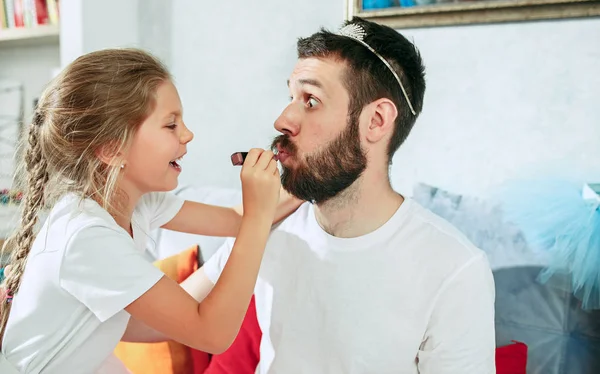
<point>44,34</point>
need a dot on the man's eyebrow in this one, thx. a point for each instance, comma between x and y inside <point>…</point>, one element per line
<point>311,82</point>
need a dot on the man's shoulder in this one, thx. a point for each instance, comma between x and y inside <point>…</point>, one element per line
<point>439,249</point>
<point>438,237</point>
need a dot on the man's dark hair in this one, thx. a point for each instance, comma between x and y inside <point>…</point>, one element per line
<point>367,78</point>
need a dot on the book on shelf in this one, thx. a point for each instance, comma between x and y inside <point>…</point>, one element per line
<point>16,14</point>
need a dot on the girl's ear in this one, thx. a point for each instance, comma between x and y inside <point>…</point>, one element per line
<point>110,155</point>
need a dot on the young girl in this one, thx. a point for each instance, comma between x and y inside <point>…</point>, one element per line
<point>104,144</point>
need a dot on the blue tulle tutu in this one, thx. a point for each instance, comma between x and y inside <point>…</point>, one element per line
<point>554,217</point>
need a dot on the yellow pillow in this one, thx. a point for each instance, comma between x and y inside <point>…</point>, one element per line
<point>166,357</point>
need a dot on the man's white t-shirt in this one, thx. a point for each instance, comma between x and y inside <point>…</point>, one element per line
<point>82,271</point>
<point>414,296</point>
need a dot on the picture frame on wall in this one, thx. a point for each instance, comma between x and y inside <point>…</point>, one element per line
<point>401,14</point>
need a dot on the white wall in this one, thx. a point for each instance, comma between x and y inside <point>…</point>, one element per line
<point>88,26</point>
<point>502,100</point>
<point>32,65</point>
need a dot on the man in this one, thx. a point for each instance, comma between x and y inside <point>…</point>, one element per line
<point>362,279</point>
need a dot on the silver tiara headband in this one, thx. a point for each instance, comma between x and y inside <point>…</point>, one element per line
<point>357,33</point>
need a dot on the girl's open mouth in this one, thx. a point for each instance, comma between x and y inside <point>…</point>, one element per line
<point>176,165</point>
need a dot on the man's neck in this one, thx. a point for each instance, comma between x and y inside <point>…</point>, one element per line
<point>360,209</point>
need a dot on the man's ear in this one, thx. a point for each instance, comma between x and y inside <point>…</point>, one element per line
<point>110,155</point>
<point>382,119</point>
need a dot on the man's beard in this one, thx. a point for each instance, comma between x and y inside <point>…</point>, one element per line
<point>324,174</point>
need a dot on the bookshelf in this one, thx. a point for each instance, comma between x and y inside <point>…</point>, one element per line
<point>23,36</point>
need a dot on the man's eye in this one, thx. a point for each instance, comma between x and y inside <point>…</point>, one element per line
<point>312,102</point>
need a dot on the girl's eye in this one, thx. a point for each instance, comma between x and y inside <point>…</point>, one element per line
<point>172,126</point>
<point>312,102</point>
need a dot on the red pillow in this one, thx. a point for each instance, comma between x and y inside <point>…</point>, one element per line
<point>244,354</point>
<point>511,359</point>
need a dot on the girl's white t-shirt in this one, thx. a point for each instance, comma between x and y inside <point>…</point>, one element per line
<point>82,271</point>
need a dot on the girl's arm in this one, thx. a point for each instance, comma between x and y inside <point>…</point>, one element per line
<point>212,325</point>
<point>212,220</point>
<point>198,285</point>
<point>139,332</point>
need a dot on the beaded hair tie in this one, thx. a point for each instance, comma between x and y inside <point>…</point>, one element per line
<point>8,296</point>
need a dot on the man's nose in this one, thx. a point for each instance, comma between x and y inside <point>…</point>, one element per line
<point>288,122</point>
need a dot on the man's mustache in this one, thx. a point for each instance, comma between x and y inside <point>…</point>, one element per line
<point>283,142</point>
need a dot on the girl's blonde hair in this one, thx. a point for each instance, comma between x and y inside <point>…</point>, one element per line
<point>97,102</point>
